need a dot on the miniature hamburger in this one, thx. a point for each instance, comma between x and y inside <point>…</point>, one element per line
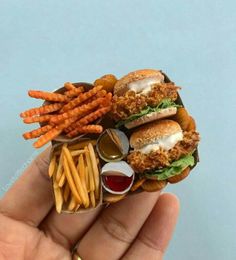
<point>143,96</point>
<point>162,151</point>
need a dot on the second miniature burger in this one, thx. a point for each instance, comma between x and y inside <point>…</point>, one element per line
<point>143,96</point>
<point>161,150</point>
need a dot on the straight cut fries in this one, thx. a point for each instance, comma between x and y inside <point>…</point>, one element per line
<point>62,180</point>
<point>59,168</point>
<point>57,194</point>
<point>66,192</point>
<point>58,198</point>
<point>72,203</point>
<point>81,170</point>
<point>73,111</point>
<point>75,174</point>
<point>52,166</point>
<point>70,180</point>
<point>78,152</point>
<point>95,169</point>
<point>82,144</point>
<point>90,171</point>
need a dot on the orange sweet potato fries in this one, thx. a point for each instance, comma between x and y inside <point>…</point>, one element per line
<point>72,112</point>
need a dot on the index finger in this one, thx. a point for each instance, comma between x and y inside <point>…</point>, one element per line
<point>156,233</point>
<point>30,198</point>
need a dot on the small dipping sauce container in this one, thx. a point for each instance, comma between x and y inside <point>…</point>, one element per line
<point>117,177</point>
<point>112,145</point>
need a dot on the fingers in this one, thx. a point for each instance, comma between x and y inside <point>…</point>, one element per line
<point>156,233</point>
<point>67,229</point>
<point>30,198</point>
<point>117,226</point>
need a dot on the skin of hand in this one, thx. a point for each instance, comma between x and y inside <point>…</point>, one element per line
<point>138,227</point>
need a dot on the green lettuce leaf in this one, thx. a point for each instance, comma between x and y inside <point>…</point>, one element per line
<point>174,169</point>
<point>165,103</point>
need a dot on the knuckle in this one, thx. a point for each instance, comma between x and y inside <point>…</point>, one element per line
<point>116,229</point>
<point>150,243</point>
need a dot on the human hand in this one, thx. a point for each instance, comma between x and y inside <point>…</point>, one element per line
<point>139,227</point>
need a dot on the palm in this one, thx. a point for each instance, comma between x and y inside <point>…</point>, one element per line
<point>30,228</point>
<point>22,241</point>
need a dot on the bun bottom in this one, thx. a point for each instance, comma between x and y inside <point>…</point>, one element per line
<point>166,112</point>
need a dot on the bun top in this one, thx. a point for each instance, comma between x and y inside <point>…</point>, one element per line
<point>151,132</point>
<point>121,85</point>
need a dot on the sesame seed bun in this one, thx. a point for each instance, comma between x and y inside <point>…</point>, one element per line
<point>121,85</point>
<point>151,132</point>
<point>163,113</point>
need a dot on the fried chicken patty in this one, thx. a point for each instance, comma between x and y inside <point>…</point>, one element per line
<point>141,162</point>
<point>132,103</point>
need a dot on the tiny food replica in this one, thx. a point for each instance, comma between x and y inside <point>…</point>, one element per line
<point>161,150</point>
<point>143,96</point>
<point>113,138</point>
<point>112,145</point>
<point>74,170</point>
<point>117,177</point>
<point>72,113</point>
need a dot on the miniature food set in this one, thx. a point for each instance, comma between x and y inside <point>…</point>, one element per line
<point>113,138</point>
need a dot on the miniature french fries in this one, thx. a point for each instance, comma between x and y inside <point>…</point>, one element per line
<point>74,92</point>
<point>92,129</point>
<point>75,175</point>
<point>58,199</point>
<point>92,198</point>
<point>62,180</point>
<point>48,96</point>
<point>37,132</point>
<point>74,170</point>
<point>58,195</point>
<point>82,144</point>
<point>42,110</point>
<point>86,177</point>
<point>37,119</point>
<point>52,166</point>
<point>75,104</point>
<point>77,207</point>
<point>95,169</point>
<point>81,170</point>
<point>77,111</point>
<point>69,86</point>
<point>59,168</point>
<point>90,170</point>
<point>81,98</point>
<point>66,192</point>
<point>47,137</point>
<point>77,152</point>
<point>90,117</point>
<point>72,203</point>
<point>70,180</point>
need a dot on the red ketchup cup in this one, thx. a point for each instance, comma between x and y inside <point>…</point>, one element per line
<point>117,177</point>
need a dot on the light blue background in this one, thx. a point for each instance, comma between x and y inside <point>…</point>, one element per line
<point>45,43</point>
